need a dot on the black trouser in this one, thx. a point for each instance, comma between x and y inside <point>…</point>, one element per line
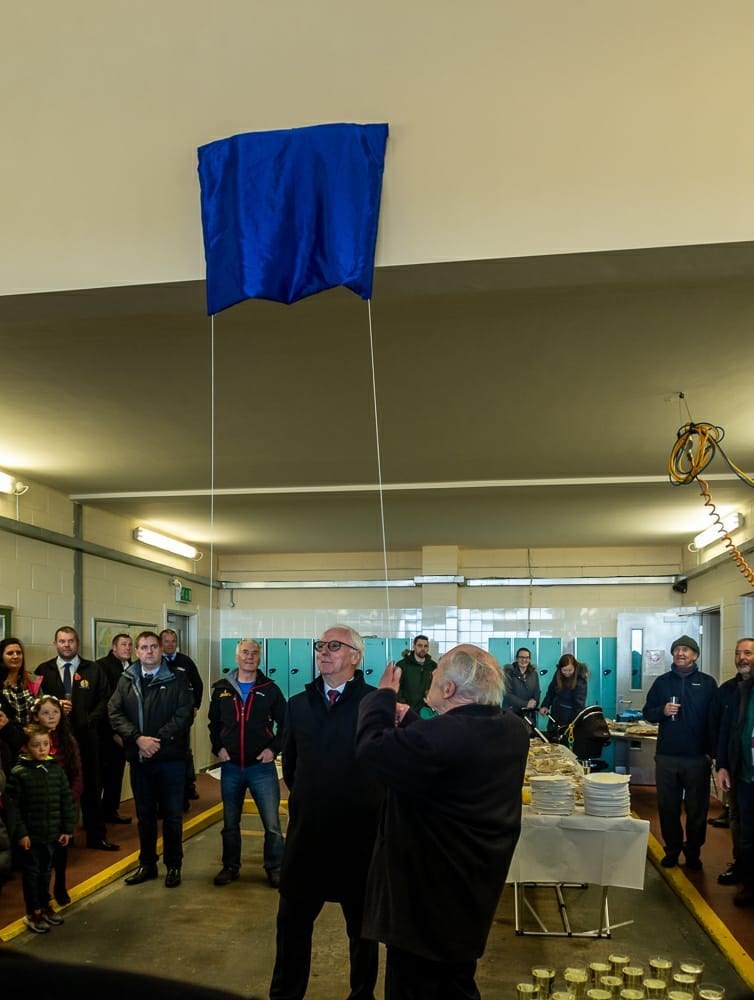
<point>295,925</point>
<point>683,782</point>
<point>36,866</point>
<point>113,767</point>
<point>745,859</point>
<point>411,977</point>
<point>91,794</point>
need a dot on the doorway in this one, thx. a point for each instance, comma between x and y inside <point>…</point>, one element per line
<point>181,625</point>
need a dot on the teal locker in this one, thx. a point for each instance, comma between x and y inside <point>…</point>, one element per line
<point>609,690</point>
<point>549,651</point>
<point>396,648</point>
<point>300,665</point>
<point>501,650</point>
<point>588,651</point>
<point>228,655</point>
<point>609,693</point>
<point>276,663</point>
<point>375,659</point>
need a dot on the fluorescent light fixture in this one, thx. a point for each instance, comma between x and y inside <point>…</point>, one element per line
<point>567,581</point>
<point>148,537</point>
<point>421,580</point>
<point>715,533</point>
<point>314,584</point>
<point>9,484</point>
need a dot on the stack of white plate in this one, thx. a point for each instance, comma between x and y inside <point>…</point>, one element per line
<point>552,794</point>
<point>607,794</point>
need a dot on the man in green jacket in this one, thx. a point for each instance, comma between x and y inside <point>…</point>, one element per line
<point>416,674</point>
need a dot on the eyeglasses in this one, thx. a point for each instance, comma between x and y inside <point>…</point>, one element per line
<point>333,645</point>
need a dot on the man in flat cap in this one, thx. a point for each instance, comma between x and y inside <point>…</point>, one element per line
<point>680,702</point>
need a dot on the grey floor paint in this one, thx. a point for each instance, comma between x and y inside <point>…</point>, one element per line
<point>225,937</point>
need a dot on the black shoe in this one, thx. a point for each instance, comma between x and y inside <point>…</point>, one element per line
<point>730,876</point>
<point>192,793</point>
<point>693,863</point>
<point>102,845</point>
<point>274,879</point>
<point>117,818</point>
<point>144,873</point>
<point>722,822</point>
<point>173,878</point>
<point>669,861</point>
<point>226,875</point>
<point>61,896</point>
<point>186,806</point>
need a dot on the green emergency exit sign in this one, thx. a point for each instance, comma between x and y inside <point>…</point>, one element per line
<point>183,595</point>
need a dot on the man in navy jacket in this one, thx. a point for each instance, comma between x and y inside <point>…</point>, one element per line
<point>680,701</point>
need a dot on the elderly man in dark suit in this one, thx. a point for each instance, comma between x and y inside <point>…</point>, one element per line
<point>450,823</point>
<point>333,806</point>
<point>82,689</point>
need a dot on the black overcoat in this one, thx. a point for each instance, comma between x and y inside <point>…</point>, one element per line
<point>449,826</point>
<point>333,801</point>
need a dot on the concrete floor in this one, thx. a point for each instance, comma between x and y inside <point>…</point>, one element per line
<point>224,937</point>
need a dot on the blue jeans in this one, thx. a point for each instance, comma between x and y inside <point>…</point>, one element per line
<point>159,783</point>
<point>262,782</point>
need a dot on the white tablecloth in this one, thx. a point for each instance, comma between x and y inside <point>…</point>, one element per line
<point>581,848</point>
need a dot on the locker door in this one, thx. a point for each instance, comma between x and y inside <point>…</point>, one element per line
<point>396,648</point>
<point>300,665</point>
<point>375,659</point>
<point>609,676</point>
<point>227,655</point>
<point>609,690</point>
<point>588,651</point>
<point>276,663</point>
<point>501,650</point>
<point>549,653</point>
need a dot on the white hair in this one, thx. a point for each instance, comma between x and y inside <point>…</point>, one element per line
<point>475,673</point>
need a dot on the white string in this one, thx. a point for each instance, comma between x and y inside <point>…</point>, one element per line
<point>211,482</point>
<point>379,468</point>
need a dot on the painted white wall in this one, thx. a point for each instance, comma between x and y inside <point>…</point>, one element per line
<point>517,128</point>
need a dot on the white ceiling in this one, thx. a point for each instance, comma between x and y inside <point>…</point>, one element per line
<point>561,372</point>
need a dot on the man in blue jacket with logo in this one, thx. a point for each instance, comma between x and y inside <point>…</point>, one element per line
<point>680,701</point>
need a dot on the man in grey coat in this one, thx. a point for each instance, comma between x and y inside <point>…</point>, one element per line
<point>450,822</point>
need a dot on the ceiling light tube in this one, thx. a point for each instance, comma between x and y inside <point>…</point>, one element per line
<point>714,534</point>
<point>421,580</point>
<point>148,537</point>
<point>9,484</point>
<point>313,584</point>
<point>567,581</point>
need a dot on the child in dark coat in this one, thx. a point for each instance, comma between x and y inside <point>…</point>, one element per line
<point>40,816</point>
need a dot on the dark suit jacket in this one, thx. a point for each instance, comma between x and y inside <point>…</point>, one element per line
<point>192,673</point>
<point>89,697</point>
<point>333,800</point>
<point>112,668</point>
<point>450,824</point>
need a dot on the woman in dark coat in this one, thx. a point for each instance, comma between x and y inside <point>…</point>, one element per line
<point>566,695</point>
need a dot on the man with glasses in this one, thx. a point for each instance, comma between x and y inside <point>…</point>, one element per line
<point>333,806</point>
<point>522,692</point>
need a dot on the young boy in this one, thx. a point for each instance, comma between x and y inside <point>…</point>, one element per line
<point>40,815</point>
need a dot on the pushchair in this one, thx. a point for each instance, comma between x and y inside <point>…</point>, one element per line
<point>586,736</point>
